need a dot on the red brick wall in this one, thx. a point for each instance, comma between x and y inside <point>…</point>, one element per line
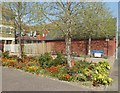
<point>80,47</point>
<point>111,47</point>
<point>59,46</point>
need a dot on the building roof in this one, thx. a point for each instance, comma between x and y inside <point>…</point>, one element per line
<point>37,38</point>
<point>57,37</point>
<point>52,37</point>
<point>6,26</point>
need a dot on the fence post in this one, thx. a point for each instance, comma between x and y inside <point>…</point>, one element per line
<point>43,47</point>
<point>4,48</point>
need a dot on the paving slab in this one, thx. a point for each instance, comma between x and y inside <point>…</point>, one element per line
<point>114,74</point>
<point>16,80</point>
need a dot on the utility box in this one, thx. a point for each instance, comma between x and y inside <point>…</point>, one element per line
<point>97,53</point>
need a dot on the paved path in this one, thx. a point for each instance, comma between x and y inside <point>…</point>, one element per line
<point>96,60</point>
<point>15,80</point>
<point>114,75</point>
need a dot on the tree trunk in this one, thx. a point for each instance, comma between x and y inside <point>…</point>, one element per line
<point>20,51</point>
<point>68,49</point>
<point>20,42</point>
<point>20,27</point>
<point>89,46</point>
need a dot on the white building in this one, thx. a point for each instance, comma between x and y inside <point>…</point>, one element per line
<point>7,34</point>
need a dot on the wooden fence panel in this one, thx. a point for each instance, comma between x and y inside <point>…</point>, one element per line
<point>33,49</point>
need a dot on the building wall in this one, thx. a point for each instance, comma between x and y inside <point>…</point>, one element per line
<point>7,31</point>
<point>7,35</point>
<point>80,47</point>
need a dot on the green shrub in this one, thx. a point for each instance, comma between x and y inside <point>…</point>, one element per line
<point>9,62</point>
<point>0,53</point>
<point>105,57</point>
<point>80,77</point>
<point>62,71</point>
<point>45,60</point>
<point>102,79</point>
<point>65,77</point>
<point>5,54</point>
<point>72,71</point>
<point>81,65</point>
<point>4,63</point>
<point>32,68</point>
<point>101,73</point>
<point>81,55</point>
<point>74,54</point>
<point>98,73</point>
<point>60,59</point>
<point>63,74</point>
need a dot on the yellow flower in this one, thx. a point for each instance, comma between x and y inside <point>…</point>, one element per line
<point>105,82</point>
<point>110,79</point>
<point>108,67</point>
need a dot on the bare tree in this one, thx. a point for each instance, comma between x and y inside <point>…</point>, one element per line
<point>76,19</point>
<point>24,13</point>
<point>64,16</point>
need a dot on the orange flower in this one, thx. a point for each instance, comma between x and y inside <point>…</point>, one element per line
<point>37,73</point>
<point>67,76</point>
<point>18,67</point>
<point>72,62</point>
<point>53,69</point>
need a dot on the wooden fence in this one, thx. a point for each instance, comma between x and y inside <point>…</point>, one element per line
<point>32,49</point>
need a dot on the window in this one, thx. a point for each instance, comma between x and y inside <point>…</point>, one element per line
<point>8,41</point>
<point>8,30</point>
<point>11,30</point>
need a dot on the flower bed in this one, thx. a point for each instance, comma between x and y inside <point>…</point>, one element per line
<point>97,73</point>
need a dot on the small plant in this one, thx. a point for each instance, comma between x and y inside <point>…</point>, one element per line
<point>81,55</point>
<point>74,54</point>
<point>60,59</point>
<point>45,60</point>
<point>72,71</point>
<point>80,77</point>
<point>0,53</point>
<point>101,73</point>
<point>102,79</point>
<point>105,57</point>
<point>9,62</point>
<point>5,54</point>
<point>62,71</point>
<point>18,66</point>
<point>4,64</point>
<point>23,55</point>
<point>32,69</point>
<point>65,77</point>
<point>53,69</point>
